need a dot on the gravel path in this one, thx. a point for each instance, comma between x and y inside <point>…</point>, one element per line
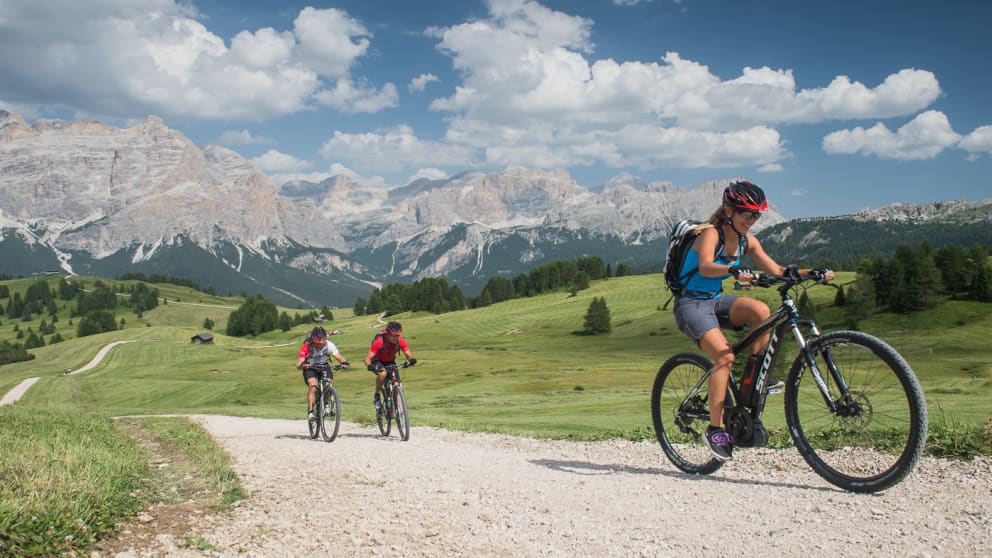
<point>18,391</point>
<point>454,494</point>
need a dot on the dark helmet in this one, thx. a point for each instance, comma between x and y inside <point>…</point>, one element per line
<point>744,195</point>
<point>394,328</point>
<point>317,335</point>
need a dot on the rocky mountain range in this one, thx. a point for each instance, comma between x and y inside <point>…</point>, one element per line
<point>87,198</point>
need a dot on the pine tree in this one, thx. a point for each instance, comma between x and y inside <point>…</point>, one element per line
<point>597,319</point>
<point>840,299</point>
<point>860,300</point>
<point>581,281</point>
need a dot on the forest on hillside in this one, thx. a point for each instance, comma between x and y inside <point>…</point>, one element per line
<point>842,243</point>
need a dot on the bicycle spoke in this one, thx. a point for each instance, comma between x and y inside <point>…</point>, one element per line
<point>874,437</point>
<point>330,417</point>
<point>399,407</point>
<point>681,413</point>
<point>380,417</point>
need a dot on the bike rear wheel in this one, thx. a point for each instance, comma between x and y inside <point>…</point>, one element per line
<point>382,415</point>
<point>680,420</point>
<point>330,414</point>
<point>877,435</point>
<point>399,413</point>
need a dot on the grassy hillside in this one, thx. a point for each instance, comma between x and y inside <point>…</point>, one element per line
<point>514,367</point>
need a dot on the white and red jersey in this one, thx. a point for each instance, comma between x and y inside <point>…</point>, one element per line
<point>317,356</point>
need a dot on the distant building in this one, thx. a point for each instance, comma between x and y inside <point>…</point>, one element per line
<point>200,338</point>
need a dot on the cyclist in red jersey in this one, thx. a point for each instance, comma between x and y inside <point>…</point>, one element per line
<point>385,346</point>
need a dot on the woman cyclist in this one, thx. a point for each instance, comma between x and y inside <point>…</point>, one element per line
<point>316,352</point>
<point>701,310</point>
<point>383,351</point>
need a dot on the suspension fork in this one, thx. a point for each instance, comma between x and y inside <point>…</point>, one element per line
<point>818,375</point>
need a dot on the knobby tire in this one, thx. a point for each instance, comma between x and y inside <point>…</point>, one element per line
<point>399,413</point>
<point>381,417</point>
<point>330,414</point>
<point>882,438</point>
<point>679,424</point>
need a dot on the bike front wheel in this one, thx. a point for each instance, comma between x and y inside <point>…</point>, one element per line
<point>313,426</point>
<point>382,414</point>
<point>876,434</point>
<point>680,411</point>
<point>330,414</point>
<point>399,413</point>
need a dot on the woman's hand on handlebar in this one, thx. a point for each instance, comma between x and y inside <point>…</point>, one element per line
<point>822,275</point>
<point>794,275</point>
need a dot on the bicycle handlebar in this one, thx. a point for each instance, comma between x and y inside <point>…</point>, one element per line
<point>792,277</point>
<point>319,367</point>
<point>406,364</point>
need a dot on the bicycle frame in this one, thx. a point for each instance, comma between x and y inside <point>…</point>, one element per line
<point>785,317</point>
<point>392,378</point>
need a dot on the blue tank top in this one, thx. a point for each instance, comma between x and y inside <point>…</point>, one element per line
<point>706,287</point>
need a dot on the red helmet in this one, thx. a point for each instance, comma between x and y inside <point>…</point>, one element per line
<point>394,328</point>
<point>317,335</point>
<point>744,195</point>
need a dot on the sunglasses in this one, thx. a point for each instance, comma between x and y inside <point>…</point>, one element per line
<point>750,215</point>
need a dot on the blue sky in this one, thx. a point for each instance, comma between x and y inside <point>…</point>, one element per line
<point>830,106</point>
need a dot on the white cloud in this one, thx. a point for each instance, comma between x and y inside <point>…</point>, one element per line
<point>905,92</point>
<point>130,59</point>
<point>532,97</point>
<point>429,174</point>
<point>978,141</point>
<point>241,137</point>
<point>273,161</point>
<point>348,96</point>
<point>924,137</point>
<point>335,169</point>
<point>330,40</point>
<point>420,82</point>
<point>24,110</point>
<point>531,90</point>
<point>393,150</point>
<point>263,49</point>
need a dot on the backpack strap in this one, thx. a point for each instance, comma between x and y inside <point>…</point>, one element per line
<point>721,241</point>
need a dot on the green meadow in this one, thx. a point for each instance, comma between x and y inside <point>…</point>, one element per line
<point>519,366</point>
<point>69,472</point>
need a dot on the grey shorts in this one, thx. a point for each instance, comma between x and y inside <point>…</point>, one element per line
<point>696,316</point>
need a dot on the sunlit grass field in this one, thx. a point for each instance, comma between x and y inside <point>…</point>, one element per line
<point>518,367</point>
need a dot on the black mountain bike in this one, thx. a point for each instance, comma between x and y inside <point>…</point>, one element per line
<point>853,406</point>
<point>327,406</point>
<point>393,404</point>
